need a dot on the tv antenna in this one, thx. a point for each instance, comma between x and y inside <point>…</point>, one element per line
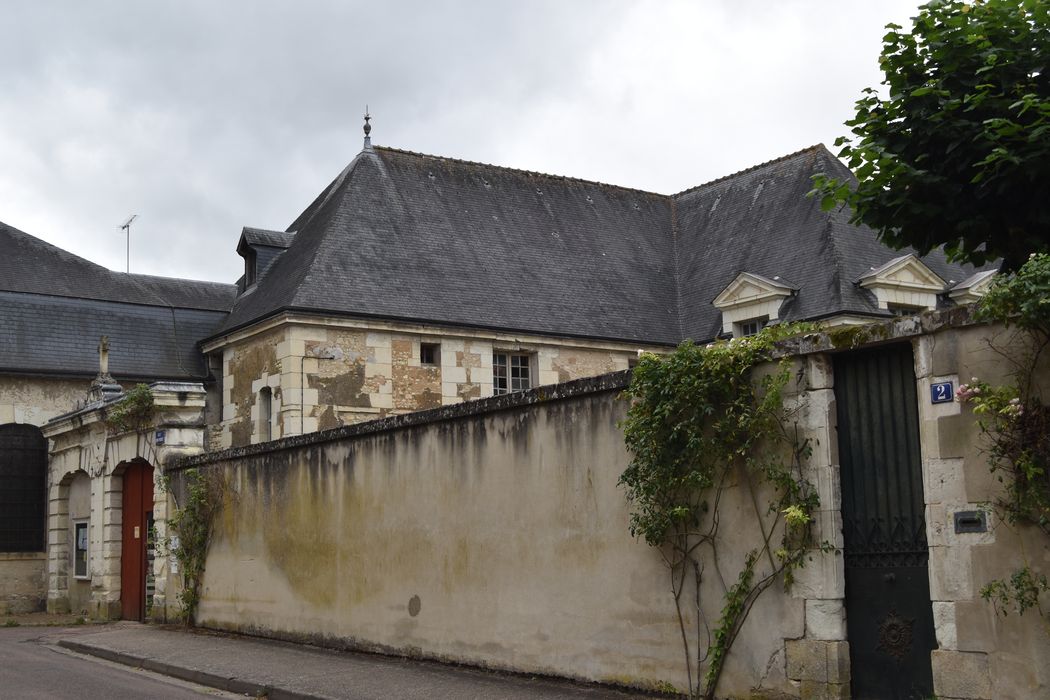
<point>126,226</point>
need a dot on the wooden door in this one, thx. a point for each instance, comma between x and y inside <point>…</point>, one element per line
<point>137,514</point>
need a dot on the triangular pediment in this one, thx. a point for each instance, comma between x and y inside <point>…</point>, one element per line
<point>906,271</point>
<point>749,288</point>
<point>973,288</point>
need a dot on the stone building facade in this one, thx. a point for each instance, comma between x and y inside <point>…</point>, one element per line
<point>420,294</point>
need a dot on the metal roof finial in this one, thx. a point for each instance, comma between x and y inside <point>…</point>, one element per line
<point>368,129</point>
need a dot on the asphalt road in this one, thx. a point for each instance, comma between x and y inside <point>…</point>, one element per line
<point>31,668</point>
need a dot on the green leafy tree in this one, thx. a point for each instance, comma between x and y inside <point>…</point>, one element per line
<point>958,153</point>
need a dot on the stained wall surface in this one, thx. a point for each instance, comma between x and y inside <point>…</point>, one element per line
<point>499,538</point>
<point>36,400</point>
<point>300,378</point>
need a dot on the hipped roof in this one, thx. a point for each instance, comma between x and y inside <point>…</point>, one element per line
<point>412,237</point>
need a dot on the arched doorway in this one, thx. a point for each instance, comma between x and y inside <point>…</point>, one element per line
<point>137,507</point>
<point>23,488</point>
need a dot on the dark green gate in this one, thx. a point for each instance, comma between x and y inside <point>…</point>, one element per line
<point>888,612</point>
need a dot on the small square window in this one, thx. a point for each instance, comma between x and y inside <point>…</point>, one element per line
<point>904,310</point>
<point>510,373</point>
<point>751,326</point>
<point>429,354</point>
<point>80,549</point>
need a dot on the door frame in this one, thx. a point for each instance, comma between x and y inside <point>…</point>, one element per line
<point>137,502</point>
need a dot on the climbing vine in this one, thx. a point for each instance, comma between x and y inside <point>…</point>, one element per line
<point>1015,422</point>
<point>191,528</point>
<point>132,413</point>
<point>701,420</point>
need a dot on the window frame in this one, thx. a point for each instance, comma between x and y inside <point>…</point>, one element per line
<point>902,310</point>
<point>85,525</point>
<point>525,362</point>
<point>265,418</point>
<point>740,329</point>
<point>434,348</point>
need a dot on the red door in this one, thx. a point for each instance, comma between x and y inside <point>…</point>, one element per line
<point>138,514</point>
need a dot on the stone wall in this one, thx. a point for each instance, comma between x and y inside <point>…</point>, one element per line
<point>981,654</point>
<point>36,400</point>
<point>85,482</point>
<point>494,533</point>
<point>31,400</point>
<point>22,582</point>
<point>325,374</point>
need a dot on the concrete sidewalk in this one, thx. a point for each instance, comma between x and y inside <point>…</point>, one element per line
<point>279,670</point>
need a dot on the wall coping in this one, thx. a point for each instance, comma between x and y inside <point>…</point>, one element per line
<point>166,394</point>
<point>832,340</point>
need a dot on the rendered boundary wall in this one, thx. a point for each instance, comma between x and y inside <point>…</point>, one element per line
<point>491,533</point>
<point>494,533</point>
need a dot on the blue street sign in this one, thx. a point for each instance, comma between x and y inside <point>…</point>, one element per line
<point>942,392</point>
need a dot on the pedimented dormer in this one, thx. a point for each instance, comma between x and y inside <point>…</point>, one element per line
<point>750,302</point>
<point>972,288</point>
<point>904,284</point>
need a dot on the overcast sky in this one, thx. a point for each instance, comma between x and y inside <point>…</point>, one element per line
<point>203,117</point>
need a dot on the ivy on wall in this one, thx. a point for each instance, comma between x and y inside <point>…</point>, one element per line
<point>190,533</point>
<point>700,419</point>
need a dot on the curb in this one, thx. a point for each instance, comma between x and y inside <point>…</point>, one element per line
<point>232,685</point>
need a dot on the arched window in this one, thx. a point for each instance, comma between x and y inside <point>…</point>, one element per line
<point>23,488</point>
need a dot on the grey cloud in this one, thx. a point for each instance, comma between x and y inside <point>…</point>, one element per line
<point>206,116</point>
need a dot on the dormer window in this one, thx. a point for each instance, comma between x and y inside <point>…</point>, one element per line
<point>904,309</point>
<point>750,302</point>
<point>904,283</point>
<point>260,249</point>
<point>750,327</point>
<point>972,288</point>
<point>250,259</point>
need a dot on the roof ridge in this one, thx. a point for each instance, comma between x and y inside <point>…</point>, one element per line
<point>173,279</point>
<point>752,168</point>
<point>534,173</point>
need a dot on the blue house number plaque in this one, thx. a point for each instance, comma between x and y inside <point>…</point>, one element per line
<point>158,437</point>
<point>942,392</point>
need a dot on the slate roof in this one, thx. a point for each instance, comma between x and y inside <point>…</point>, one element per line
<point>413,237</point>
<point>400,235</point>
<point>54,306</point>
<point>761,221</point>
<point>260,236</point>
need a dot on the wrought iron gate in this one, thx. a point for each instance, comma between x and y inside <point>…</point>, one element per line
<point>888,610</point>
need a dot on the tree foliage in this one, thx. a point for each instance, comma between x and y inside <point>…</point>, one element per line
<point>958,153</point>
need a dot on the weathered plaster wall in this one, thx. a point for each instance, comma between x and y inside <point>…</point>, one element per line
<point>23,582</point>
<point>36,400</point>
<point>323,376</point>
<point>497,538</point>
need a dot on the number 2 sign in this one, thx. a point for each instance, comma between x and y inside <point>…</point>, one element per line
<point>942,392</point>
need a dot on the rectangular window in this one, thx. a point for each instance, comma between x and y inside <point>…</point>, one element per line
<point>904,310</point>
<point>752,326</point>
<point>510,373</point>
<point>429,354</point>
<point>80,549</point>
